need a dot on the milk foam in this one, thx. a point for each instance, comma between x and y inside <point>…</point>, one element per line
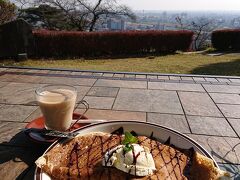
<point>57,107</point>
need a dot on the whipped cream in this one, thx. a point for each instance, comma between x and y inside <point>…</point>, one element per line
<point>138,161</point>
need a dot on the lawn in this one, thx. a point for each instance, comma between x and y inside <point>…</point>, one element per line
<point>228,64</point>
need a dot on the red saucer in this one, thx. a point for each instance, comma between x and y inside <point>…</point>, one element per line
<point>38,123</point>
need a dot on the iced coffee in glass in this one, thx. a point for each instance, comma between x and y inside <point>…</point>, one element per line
<point>57,103</point>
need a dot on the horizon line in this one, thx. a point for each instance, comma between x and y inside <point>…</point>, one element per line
<point>183,10</point>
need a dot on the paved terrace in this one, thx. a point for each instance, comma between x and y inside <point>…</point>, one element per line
<point>206,108</point>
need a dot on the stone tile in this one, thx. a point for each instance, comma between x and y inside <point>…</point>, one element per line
<point>157,80</point>
<point>235,124</point>
<point>3,69</point>
<point>187,82</point>
<point>35,114</point>
<point>8,77</point>
<point>21,93</point>
<point>82,90</point>
<point>195,103</point>
<point>211,79</point>
<point>29,79</point>
<point>114,115</point>
<point>9,129</point>
<point>121,83</point>
<point>222,88</point>
<point>15,112</point>
<point>76,73</point>
<point>231,111</point>
<point>87,73</point>
<point>13,168</point>
<point>18,93</point>
<point>148,101</point>
<point>177,122</point>
<point>103,91</point>
<point>202,82</point>
<point>33,71</point>
<point>79,98</point>
<point>139,76</point>
<point>118,75</point>
<point>163,77</point>
<point>172,81</point>
<point>210,126</point>
<point>175,86</point>
<point>64,72</point>
<point>70,81</point>
<point>198,79</point>
<point>3,84</point>
<point>60,72</point>
<point>99,102</point>
<point>219,83</point>
<point>225,98</point>
<point>223,80</point>
<point>130,76</point>
<point>186,78</point>
<point>235,80</point>
<point>223,149</point>
<point>152,77</point>
<point>43,72</point>
<point>17,160</point>
<point>233,169</point>
<point>19,70</point>
<point>97,74</point>
<point>174,78</point>
<point>108,75</point>
<point>234,84</point>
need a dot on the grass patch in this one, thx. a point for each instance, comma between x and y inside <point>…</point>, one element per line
<point>179,63</point>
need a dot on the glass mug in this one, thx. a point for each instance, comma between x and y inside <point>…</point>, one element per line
<point>57,104</point>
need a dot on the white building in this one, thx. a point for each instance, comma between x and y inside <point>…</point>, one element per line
<point>116,25</point>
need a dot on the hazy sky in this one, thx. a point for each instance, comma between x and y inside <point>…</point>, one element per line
<point>183,4</point>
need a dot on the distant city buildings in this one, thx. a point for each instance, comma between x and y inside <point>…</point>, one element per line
<point>152,20</point>
<point>116,24</point>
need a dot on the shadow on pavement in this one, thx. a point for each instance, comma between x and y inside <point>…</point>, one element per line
<point>20,153</point>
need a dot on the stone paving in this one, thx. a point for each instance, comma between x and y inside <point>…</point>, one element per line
<point>206,108</point>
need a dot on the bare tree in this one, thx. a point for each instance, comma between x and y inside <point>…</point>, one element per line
<point>104,8</point>
<point>7,11</point>
<point>85,14</point>
<point>202,28</point>
<point>179,21</point>
<point>22,4</point>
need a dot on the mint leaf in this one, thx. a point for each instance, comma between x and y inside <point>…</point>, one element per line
<point>127,148</point>
<point>129,139</point>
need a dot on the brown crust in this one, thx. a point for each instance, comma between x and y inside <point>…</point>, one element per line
<point>204,168</point>
<point>82,158</point>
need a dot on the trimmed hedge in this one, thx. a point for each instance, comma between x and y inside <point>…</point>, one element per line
<point>80,44</point>
<point>228,39</point>
<point>15,38</point>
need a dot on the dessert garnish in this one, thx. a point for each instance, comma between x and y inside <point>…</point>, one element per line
<point>130,157</point>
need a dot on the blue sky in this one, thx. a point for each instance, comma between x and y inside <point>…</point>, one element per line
<point>227,5</point>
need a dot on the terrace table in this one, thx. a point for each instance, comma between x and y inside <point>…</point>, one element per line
<point>205,108</point>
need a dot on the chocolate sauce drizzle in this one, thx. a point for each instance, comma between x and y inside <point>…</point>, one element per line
<point>159,148</point>
<point>75,154</point>
<point>156,148</point>
<point>71,159</point>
